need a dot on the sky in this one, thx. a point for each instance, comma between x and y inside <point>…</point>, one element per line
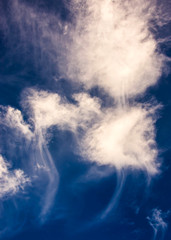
<point>85,112</point>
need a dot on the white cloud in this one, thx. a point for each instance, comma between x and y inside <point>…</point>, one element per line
<point>115,136</point>
<point>107,44</point>
<point>14,119</point>
<point>48,109</point>
<point>118,137</point>
<point>122,138</point>
<point>157,222</point>
<point>111,47</point>
<point>11,181</point>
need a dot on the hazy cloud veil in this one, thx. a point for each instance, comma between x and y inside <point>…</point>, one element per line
<point>108,54</point>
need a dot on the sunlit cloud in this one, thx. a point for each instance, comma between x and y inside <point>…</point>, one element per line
<point>105,44</point>
<point>48,109</point>
<point>13,118</point>
<point>111,47</point>
<point>123,138</point>
<point>118,137</point>
<point>11,181</point>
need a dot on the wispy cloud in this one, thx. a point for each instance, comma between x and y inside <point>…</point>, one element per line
<point>158,223</point>
<point>111,46</point>
<point>118,137</point>
<point>121,138</point>
<point>11,181</point>
<point>107,44</point>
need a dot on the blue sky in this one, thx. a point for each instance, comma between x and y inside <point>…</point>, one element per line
<point>85,113</point>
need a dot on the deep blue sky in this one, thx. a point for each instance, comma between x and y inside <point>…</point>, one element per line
<point>81,197</point>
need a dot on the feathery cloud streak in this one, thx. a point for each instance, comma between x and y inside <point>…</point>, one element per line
<point>106,44</point>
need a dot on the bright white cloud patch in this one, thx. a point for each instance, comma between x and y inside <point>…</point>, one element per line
<point>11,181</point>
<point>122,138</point>
<point>111,46</point>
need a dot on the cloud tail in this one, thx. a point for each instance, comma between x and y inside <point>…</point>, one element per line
<point>116,195</point>
<point>45,165</point>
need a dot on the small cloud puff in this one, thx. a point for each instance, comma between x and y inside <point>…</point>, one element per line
<point>14,119</point>
<point>11,181</point>
<point>157,219</point>
<point>158,223</point>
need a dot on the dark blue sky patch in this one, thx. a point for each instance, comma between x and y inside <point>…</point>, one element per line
<point>77,143</point>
